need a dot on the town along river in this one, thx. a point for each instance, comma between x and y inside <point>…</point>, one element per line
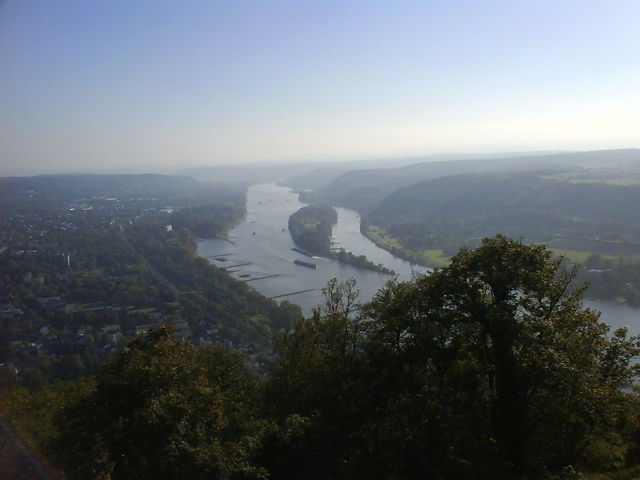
<point>260,246</point>
<point>258,251</point>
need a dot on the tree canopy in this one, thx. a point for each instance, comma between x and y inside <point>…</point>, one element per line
<point>163,409</point>
<point>489,368</point>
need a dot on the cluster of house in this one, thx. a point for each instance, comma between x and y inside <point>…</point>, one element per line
<point>115,331</point>
<point>30,232</point>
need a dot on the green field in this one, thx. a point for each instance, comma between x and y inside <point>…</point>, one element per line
<point>580,256</point>
<point>435,258</point>
<point>380,237</point>
<point>574,255</point>
<point>624,175</point>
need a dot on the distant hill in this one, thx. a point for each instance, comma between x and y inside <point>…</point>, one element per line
<point>364,189</point>
<point>297,175</point>
<point>248,174</point>
<point>45,191</point>
<point>472,196</point>
<point>91,184</point>
<point>317,174</point>
<point>457,210</point>
<point>320,178</point>
<point>314,179</point>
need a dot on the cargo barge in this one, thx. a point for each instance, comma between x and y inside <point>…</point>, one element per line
<point>305,264</point>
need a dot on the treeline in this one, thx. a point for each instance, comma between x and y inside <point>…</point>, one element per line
<point>209,221</point>
<point>489,368</point>
<point>103,280</point>
<point>360,261</point>
<point>612,279</point>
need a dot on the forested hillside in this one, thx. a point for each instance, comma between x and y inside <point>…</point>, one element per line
<point>518,204</point>
<point>363,189</point>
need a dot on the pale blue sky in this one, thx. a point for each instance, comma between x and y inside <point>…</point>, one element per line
<point>161,85</point>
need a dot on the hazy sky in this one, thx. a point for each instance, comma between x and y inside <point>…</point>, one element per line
<point>156,85</point>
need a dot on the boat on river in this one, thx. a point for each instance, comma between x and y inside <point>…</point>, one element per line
<point>305,264</point>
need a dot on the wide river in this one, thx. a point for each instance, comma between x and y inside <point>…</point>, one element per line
<point>260,246</point>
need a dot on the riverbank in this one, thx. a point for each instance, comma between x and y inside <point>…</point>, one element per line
<point>613,288</point>
<point>426,258</point>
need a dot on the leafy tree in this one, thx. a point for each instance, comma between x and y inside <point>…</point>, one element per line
<point>33,413</point>
<point>489,368</point>
<point>313,390</point>
<point>164,409</point>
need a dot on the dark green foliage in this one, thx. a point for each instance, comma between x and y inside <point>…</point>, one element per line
<point>163,409</point>
<point>489,368</point>
<point>360,261</point>
<point>34,413</point>
<point>612,279</point>
<point>551,202</point>
<point>223,301</point>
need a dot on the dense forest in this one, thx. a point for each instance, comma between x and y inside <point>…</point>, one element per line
<point>613,279</point>
<point>488,368</point>
<point>527,204</point>
<point>208,221</point>
<point>364,188</point>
